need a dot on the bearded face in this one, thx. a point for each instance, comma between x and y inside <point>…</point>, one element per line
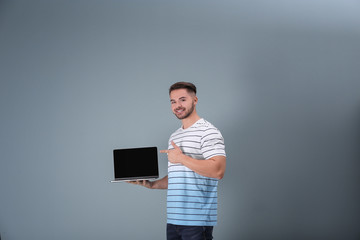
<point>182,112</point>
<point>182,103</point>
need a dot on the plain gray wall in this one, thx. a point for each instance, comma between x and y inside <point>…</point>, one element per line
<point>280,79</point>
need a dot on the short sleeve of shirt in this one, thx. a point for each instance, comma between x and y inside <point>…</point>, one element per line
<point>212,143</point>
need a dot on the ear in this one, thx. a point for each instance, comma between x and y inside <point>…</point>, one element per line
<point>195,100</point>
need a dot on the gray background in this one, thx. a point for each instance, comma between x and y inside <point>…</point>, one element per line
<point>280,79</point>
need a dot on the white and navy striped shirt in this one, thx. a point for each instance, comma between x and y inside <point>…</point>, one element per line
<point>192,198</point>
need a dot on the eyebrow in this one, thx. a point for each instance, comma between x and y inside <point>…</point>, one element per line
<point>179,99</point>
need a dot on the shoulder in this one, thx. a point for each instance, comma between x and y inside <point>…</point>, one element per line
<point>202,123</point>
<point>177,132</point>
<point>207,127</point>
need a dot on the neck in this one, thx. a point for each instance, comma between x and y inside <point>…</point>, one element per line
<point>190,120</point>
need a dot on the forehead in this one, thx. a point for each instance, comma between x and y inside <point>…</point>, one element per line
<point>179,93</point>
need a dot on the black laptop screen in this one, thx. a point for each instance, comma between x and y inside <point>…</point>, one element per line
<point>136,163</point>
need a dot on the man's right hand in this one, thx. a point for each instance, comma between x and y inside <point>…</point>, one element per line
<point>158,184</point>
<point>144,183</point>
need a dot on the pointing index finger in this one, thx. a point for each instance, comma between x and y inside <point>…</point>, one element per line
<point>164,151</point>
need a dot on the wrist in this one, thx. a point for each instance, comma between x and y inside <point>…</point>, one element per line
<point>183,159</point>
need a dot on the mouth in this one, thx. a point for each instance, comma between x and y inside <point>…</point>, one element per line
<point>179,110</point>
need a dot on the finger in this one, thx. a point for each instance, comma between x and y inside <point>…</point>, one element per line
<point>164,151</point>
<point>174,145</point>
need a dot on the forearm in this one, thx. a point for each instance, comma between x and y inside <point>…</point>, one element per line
<point>160,184</point>
<point>213,167</point>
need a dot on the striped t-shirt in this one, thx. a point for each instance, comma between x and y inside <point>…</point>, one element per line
<point>192,198</point>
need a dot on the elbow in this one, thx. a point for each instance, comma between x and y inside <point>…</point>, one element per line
<point>219,167</point>
<point>220,175</point>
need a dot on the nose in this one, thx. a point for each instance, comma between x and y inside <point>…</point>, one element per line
<point>177,105</point>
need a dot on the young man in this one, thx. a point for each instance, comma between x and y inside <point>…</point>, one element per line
<point>197,160</point>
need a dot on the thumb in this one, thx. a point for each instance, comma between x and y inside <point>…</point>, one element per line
<point>174,145</point>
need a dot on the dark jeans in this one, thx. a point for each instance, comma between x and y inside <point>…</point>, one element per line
<point>178,232</point>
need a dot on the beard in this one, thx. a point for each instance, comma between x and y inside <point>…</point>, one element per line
<point>187,112</point>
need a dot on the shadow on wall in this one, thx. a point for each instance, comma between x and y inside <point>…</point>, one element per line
<point>292,163</point>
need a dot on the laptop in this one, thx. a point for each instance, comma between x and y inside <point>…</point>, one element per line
<point>133,164</point>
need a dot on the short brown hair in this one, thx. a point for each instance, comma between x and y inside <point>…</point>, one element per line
<point>191,88</point>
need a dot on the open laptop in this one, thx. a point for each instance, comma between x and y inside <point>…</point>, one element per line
<point>133,164</point>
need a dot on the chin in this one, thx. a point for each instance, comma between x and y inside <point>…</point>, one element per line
<point>179,117</point>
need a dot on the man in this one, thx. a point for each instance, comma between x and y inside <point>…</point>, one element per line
<point>197,160</point>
